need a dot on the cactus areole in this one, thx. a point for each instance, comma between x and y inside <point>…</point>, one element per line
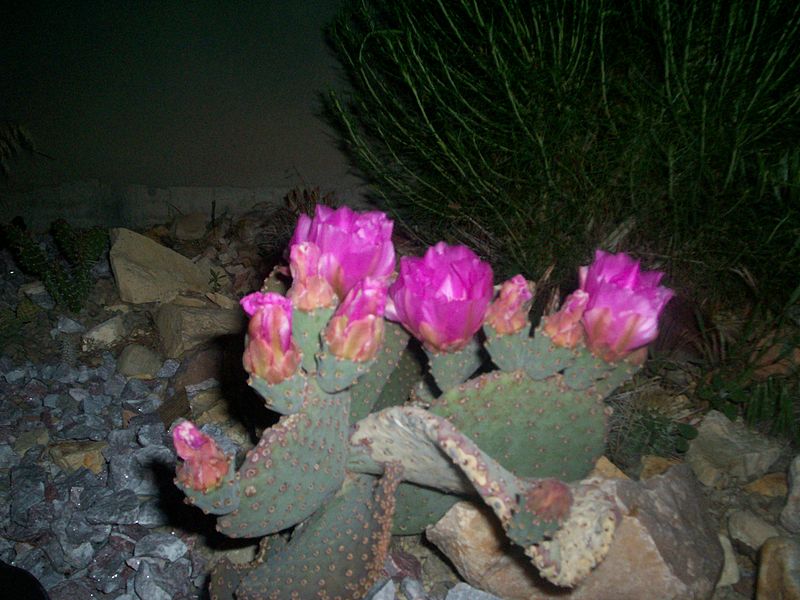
<point>372,441</point>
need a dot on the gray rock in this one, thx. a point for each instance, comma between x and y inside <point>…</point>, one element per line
<point>464,591</point>
<point>114,507</point>
<point>790,515</point>
<point>383,590</point>
<point>724,450</point>
<point>67,325</point>
<point>168,369</point>
<point>160,545</point>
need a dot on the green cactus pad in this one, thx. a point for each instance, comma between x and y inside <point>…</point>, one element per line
<point>419,506</point>
<point>389,378</point>
<point>295,467</point>
<point>306,329</point>
<point>284,398</point>
<point>339,553</point>
<point>535,428</point>
<point>222,500</point>
<point>545,358</point>
<point>335,374</point>
<point>509,352</point>
<point>452,368</point>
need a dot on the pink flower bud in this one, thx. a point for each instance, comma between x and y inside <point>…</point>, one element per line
<point>442,298</point>
<point>204,464</point>
<point>509,311</point>
<point>355,331</point>
<point>271,353</point>
<point>352,245</point>
<point>564,327</point>
<point>624,305</point>
<point>309,289</point>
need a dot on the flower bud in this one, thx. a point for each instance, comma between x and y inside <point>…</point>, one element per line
<point>271,353</point>
<point>509,312</point>
<point>309,289</point>
<point>204,464</point>
<point>356,330</point>
<point>564,327</point>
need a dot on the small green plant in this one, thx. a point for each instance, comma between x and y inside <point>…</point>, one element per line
<point>67,275</point>
<point>215,280</point>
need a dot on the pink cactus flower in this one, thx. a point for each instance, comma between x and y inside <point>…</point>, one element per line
<point>309,289</point>
<point>271,352</point>
<point>204,464</point>
<point>624,304</point>
<point>356,330</point>
<point>508,314</point>
<point>352,245</point>
<point>564,327</point>
<point>442,298</point>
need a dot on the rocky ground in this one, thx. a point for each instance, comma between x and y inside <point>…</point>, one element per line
<point>87,502</point>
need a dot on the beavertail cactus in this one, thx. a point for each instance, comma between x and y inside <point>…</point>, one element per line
<point>372,441</point>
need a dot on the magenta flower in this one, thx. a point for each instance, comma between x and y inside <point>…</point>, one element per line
<point>309,289</point>
<point>624,304</point>
<point>271,352</point>
<point>352,245</point>
<point>204,463</point>
<point>355,331</point>
<point>564,327</point>
<point>442,298</point>
<point>509,312</point>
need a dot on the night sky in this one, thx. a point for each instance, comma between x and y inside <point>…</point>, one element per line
<point>172,93</point>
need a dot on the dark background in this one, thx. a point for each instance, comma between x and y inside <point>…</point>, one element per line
<point>171,93</point>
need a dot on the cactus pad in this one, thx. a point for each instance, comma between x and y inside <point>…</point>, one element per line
<point>339,553</point>
<point>294,468</point>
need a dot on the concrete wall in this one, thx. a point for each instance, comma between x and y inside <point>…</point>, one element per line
<point>139,106</point>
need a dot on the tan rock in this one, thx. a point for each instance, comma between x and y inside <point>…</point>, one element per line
<point>665,547</point>
<point>72,455</point>
<point>771,485</point>
<point>28,439</point>
<point>779,570</point>
<point>146,271</point>
<point>183,328</point>
<point>607,470</point>
<point>138,361</point>
<point>655,465</point>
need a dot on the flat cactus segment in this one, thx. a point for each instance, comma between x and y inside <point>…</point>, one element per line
<point>222,500</point>
<point>451,368</point>
<point>418,506</point>
<point>509,352</point>
<point>306,329</point>
<point>583,540</point>
<point>545,359</point>
<point>335,374</point>
<point>284,398</point>
<point>339,553</point>
<point>295,467</point>
<point>541,510</point>
<point>394,370</point>
<point>535,428</point>
<point>225,578</point>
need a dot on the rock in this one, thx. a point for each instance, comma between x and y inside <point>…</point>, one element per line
<point>385,590</point>
<point>192,226</point>
<point>771,485</point>
<point>161,545</point>
<point>726,450</point>
<point>790,515</point>
<point>182,328</point>
<point>72,455</point>
<point>607,470</point>
<point>104,335</point>
<point>138,361</point>
<point>730,568</point>
<point>749,529</point>
<point>146,271</point>
<point>463,591</point>
<point>665,547</point>
<point>779,570</point>
<point>655,465</point>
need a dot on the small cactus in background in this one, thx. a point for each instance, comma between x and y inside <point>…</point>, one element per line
<point>67,279</point>
<point>369,441</point>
